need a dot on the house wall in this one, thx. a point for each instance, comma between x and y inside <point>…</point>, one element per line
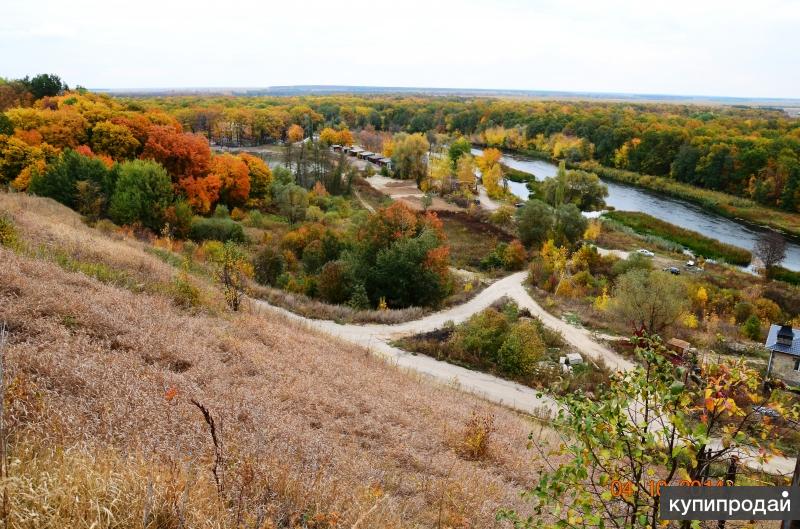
<point>783,367</point>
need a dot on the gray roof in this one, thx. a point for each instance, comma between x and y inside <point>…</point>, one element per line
<point>772,339</point>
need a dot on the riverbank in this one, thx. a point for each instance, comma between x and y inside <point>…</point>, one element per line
<point>698,243</point>
<point>729,206</point>
<point>723,204</point>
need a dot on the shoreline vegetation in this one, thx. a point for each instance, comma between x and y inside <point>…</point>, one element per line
<point>736,208</point>
<point>739,209</point>
<point>699,244</point>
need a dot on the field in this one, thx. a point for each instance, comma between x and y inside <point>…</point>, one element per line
<point>101,379</point>
<point>698,243</point>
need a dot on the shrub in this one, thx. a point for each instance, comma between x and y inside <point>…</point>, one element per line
<point>752,328</point>
<point>313,257</point>
<point>8,232</point>
<point>61,177</point>
<point>216,229</point>
<point>255,219</point>
<point>232,270</point>
<point>333,283</point>
<point>514,256</point>
<point>503,216</point>
<point>742,311</point>
<point>635,261</point>
<point>268,265</point>
<point>179,217</point>
<point>482,334</point>
<point>237,214</point>
<point>221,212</point>
<point>476,437</point>
<point>314,214</point>
<point>359,299</point>
<point>521,350</point>
<point>142,193</point>
<point>184,292</point>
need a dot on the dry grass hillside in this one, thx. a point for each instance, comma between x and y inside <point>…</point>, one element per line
<point>102,368</point>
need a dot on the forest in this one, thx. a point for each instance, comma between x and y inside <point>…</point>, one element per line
<point>748,152</point>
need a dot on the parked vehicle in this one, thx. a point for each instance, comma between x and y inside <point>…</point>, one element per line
<point>674,270</point>
<point>646,253</point>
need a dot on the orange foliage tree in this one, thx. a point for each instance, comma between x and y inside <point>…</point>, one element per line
<point>201,193</point>
<point>295,133</point>
<point>182,155</point>
<point>234,179</point>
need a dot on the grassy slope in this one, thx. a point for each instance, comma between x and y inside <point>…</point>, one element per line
<point>311,427</point>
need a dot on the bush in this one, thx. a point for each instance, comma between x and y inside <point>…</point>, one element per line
<point>514,256</point>
<point>60,179</point>
<point>313,257</point>
<point>216,229</point>
<point>142,193</point>
<point>752,328</point>
<point>255,219</point>
<point>268,265</point>
<point>482,334</point>
<point>359,299</point>
<point>742,311</point>
<point>8,232</point>
<point>221,212</point>
<point>635,261</point>
<point>333,283</point>
<point>179,217</point>
<point>521,350</point>
<point>476,438</point>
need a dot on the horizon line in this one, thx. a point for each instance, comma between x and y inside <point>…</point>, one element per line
<point>375,89</point>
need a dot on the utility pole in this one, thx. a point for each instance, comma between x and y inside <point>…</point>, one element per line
<point>794,524</point>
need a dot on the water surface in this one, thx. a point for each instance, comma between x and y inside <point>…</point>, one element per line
<point>672,210</point>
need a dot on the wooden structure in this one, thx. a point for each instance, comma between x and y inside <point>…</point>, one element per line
<point>783,343</point>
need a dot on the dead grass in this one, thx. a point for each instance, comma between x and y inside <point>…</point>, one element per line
<point>314,432</point>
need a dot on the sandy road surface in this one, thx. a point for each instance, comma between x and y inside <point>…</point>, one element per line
<point>376,338</point>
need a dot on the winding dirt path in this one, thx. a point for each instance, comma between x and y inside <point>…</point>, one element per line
<point>376,338</point>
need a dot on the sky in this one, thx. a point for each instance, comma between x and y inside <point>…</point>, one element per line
<point>683,47</point>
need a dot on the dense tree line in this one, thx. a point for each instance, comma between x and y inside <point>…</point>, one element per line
<point>750,152</point>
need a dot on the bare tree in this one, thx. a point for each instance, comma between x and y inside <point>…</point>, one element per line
<point>770,248</point>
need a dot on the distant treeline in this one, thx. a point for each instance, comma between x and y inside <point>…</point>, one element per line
<point>750,152</point>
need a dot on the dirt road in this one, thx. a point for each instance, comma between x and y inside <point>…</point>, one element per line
<point>376,338</point>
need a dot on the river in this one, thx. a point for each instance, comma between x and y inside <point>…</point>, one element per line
<point>674,211</point>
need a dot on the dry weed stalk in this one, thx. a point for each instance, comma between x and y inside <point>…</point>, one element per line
<point>218,469</point>
<point>3,436</point>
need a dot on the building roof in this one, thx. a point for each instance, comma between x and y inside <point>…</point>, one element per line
<point>772,341</point>
<point>367,153</point>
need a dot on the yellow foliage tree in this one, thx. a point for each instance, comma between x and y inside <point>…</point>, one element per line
<point>491,180</point>
<point>295,133</point>
<point>465,171</point>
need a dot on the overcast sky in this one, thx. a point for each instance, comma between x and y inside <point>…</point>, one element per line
<point>690,47</point>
